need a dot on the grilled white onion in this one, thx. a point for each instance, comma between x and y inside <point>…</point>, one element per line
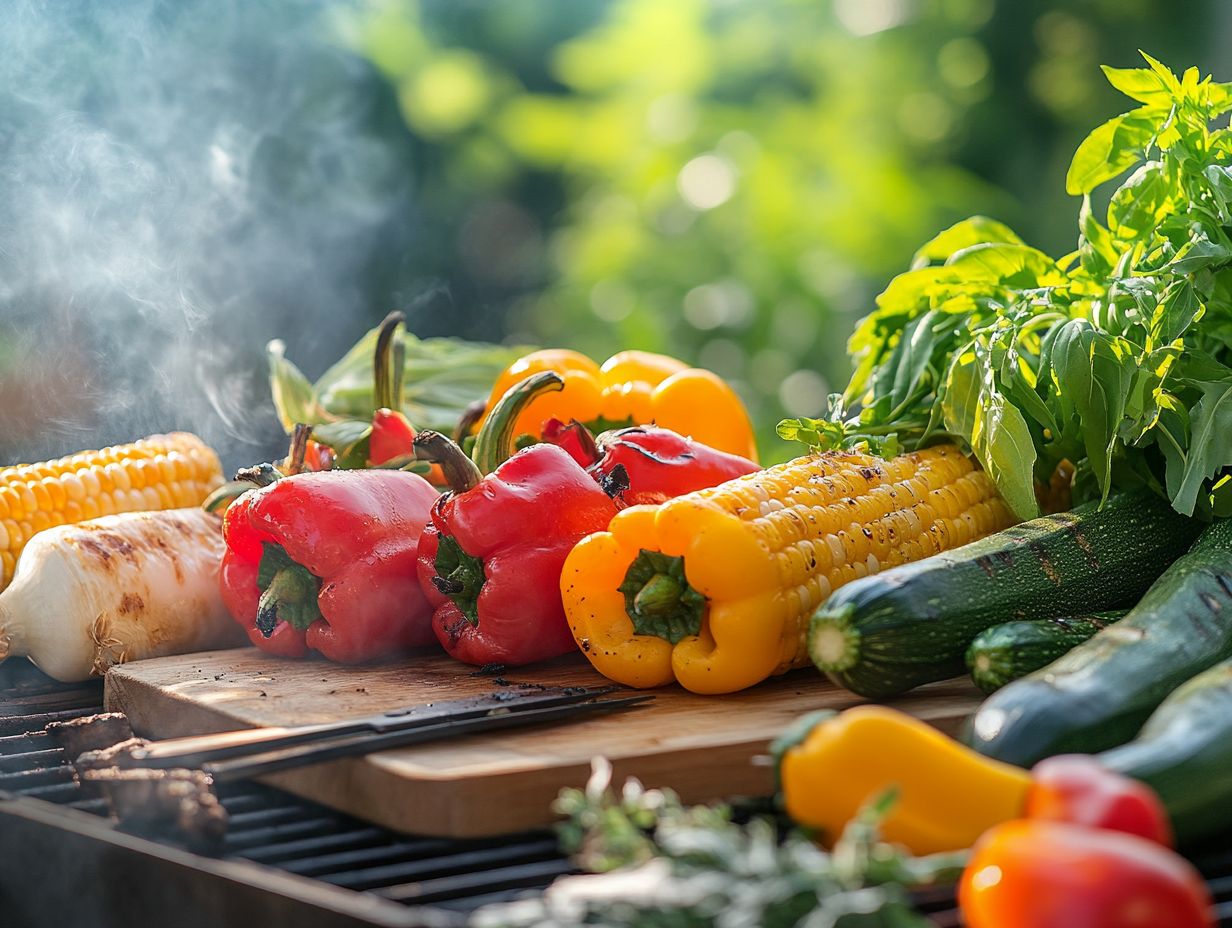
<point>119,588</point>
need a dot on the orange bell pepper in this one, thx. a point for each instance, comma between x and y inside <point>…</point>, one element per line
<point>1038,874</point>
<point>632,388</point>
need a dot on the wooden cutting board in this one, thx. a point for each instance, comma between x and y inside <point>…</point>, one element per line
<point>701,746</point>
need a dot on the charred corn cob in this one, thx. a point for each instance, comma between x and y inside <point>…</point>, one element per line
<point>714,589</point>
<point>160,472</point>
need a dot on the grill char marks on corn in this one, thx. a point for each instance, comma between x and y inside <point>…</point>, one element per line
<point>173,471</point>
<point>834,517</point>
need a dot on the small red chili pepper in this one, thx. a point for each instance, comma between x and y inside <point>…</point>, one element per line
<point>1075,788</point>
<point>327,561</point>
<point>392,437</point>
<point>491,558</point>
<point>1038,874</point>
<point>645,464</point>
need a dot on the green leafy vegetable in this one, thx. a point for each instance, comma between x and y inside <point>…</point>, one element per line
<point>659,863</point>
<point>1116,358</point>
<point>441,377</point>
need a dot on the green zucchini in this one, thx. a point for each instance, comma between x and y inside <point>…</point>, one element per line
<point>884,634</point>
<point>1003,653</point>
<point>1098,695</point>
<point>1184,753</point>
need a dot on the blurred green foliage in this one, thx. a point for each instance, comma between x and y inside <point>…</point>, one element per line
<point>732,182</point>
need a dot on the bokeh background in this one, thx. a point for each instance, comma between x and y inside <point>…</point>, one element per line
<point>730,181</point>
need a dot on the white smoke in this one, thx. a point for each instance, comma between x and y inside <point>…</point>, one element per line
<point>180,181</point>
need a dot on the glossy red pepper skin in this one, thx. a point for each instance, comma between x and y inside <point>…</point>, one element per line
<point>520,522</point>
<point>358,532</point>
<point>645,464</point>
<point>392,437</point>
<point>574,438</point>
<point>1039,874</point>
<point>1075,788</point>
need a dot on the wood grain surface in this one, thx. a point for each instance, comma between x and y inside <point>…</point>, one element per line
<point>701,746</point>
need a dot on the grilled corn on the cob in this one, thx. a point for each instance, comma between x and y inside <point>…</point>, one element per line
<point>714,589</point>
<point>160,472</point>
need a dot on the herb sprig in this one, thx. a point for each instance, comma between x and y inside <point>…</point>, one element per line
<point>656,863</point>
<point>1116,357</point>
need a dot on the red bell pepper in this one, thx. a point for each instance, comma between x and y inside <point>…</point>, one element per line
<point>1075,788</point>
<point>1038,874</point>
<point>645,464</point>
<point>327,561</point>
<point>491,558</point>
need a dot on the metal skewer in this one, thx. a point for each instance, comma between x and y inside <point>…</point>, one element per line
<point>288,747</point>
<point>496,719</point>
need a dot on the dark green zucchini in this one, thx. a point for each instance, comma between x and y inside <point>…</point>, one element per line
<point>1003,653</point>
<point>1184,752</point>
<point>909,625</point>
<point>1098,695</point>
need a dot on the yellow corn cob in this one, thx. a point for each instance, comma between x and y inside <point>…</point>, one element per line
<point>762,551</point>
<point>160,472</point>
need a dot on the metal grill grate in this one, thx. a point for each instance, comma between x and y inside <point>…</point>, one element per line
<point>271,828</point>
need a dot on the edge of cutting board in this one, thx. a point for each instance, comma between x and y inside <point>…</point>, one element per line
<point>503,782</point>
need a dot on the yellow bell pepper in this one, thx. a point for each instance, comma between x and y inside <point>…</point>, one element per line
<point>714,589</point>
<point>948,795</point>
<point>637,388</point>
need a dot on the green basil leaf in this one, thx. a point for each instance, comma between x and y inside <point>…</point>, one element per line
<point>1178,310</point>
<point>1165,74</point>
<point>976,230</point>
<point>1005,447</point>
<point>1210,443</point>
<point>918,343</point>
<point>1098,250</point>
<point>295,400</point>
<point>1140,202</point>
<point>1093,374</point>
<point>994,428</point>
<point>1200,253</point>
<point>1218,98</point>
<point>1017,266</point>
<point>1113,148</point>
<point>1141,84</point>
<point>1171,435</point>
<point>341,435</point>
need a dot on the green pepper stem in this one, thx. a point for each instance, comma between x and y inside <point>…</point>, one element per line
<point>290,597</point>
<point>398,375</point>
<point>385,381</point>
<point>262,475</point>
<point>658,598</point>
<point>496,441</point>
<point>459,470</point>
<point>299,447</point>
<point>466,422</point>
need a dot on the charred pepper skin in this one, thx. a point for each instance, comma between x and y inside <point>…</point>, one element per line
<point>645,464</point>
<point>500,602</point>
<point>348,542</point>
<point>659,464</point>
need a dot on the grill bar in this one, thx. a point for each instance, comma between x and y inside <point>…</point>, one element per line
<point>355,872</point>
